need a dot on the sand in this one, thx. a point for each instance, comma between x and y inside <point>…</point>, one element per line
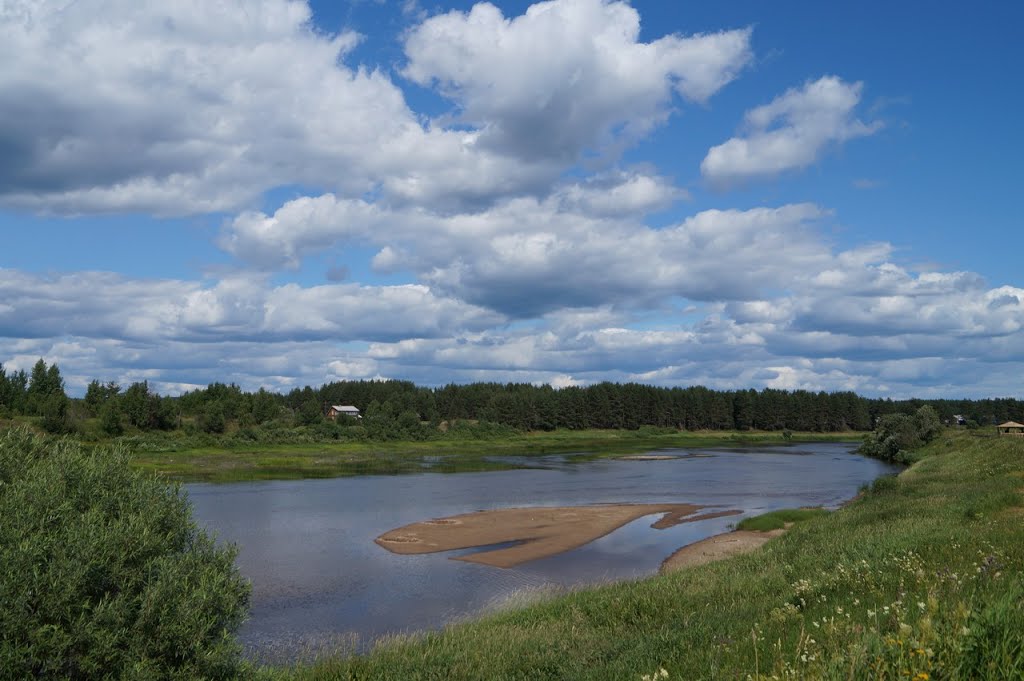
<point>719,547</point>
<point>539,532</point>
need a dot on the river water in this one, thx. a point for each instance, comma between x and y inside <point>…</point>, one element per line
<point>320,581</point>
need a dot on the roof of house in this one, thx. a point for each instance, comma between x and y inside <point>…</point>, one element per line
<point>344,407</point>
<point>1011,424</point>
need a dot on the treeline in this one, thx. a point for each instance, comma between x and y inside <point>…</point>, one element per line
<point>397,407</point>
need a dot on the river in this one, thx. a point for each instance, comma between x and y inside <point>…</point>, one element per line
<point>320,581</point>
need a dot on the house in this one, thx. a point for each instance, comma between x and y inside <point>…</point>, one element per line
<point>959,420</point>
<point>1011,428</point>
<point>337,410</point>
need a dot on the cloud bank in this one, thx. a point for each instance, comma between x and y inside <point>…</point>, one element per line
<point>503,239</point>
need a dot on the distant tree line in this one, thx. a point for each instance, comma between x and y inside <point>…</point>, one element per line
<point>397,408</point>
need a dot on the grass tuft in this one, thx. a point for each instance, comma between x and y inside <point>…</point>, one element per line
<point>776,520</point>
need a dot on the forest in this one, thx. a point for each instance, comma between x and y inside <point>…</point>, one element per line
<point>393,408</point>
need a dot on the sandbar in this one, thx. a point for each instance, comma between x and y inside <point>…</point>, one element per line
<point>539,532</point>
<point>718,547</point>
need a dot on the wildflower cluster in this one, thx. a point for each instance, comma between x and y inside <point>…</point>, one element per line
<point>896,619</point>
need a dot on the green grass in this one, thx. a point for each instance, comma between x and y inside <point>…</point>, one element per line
<point>920,577</point>
<point>239,462</point>
<point>776,520</point>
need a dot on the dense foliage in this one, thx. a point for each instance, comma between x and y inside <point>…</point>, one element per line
<point>39,394</point>
<point>400,409</point>
<point>105,575</point>
<point>896,436</point>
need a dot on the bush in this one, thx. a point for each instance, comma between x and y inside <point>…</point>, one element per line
<point>897,435</point>
<point>212,419</point>
<point>54,410</point>
<point>110,419</point>
<point>106,575</point>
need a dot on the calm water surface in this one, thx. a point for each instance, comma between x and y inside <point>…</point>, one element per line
<point>318,577</point>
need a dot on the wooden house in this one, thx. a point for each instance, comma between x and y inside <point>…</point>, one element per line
<point>337,410</point>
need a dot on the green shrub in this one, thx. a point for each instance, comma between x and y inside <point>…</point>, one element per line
<point>212,419</point>
<point>54,410</point>
<point>896,436</point>
<point>110,419</point>
<point>105,574</point>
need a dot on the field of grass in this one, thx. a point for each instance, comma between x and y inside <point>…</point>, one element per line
<point>335,459</point>
<point>921,577</point>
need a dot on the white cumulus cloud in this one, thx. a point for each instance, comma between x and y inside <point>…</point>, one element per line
<point>789,133</point>
<point>191,106</point>
<point>561,78</point>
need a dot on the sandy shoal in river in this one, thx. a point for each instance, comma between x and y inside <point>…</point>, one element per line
<point>539,531</point>
<point>718,547</point>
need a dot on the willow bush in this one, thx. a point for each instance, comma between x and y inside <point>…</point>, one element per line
<point>104,574</point>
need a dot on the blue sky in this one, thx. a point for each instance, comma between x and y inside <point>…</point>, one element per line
<point>740,194</point>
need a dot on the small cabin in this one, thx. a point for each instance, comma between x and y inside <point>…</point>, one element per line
<point>1011,428</point>
<point>337,410</point>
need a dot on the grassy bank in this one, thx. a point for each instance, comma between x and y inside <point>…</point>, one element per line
<point>776,520</point>
<point>920,578</point>
<point>181,460</point>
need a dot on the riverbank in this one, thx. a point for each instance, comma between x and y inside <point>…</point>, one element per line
<point>920,577</point>
<point>177,459</point>
<point>718,547</point>
<point>750,534</point>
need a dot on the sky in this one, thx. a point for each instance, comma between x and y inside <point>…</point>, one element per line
<point>280,193</point>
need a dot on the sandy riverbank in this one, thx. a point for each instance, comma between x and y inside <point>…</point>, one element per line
<point>718,547</point>
<point>539,532</point>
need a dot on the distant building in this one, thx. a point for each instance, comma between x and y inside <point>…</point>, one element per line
<point>1011,428</point>
<point>959,420</point>
<point>337,410</point>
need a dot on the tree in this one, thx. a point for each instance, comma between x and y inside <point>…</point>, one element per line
<point>927,422</point>
<point>212,419</point>
<point>164,413</point>
<point>896,435</point>
<point>44,382</point>
<point>135,404</point>
<point>17,391</point>
<point>110,419</point>
<point>37,382</point>
<point>264,406</point>
<point>54,410</point>
<point>106,575</point>
<point>97,394</point>
<point>309,413</point>
<point>6,391</point>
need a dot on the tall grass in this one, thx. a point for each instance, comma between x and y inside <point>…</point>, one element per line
<point>920,578</point>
